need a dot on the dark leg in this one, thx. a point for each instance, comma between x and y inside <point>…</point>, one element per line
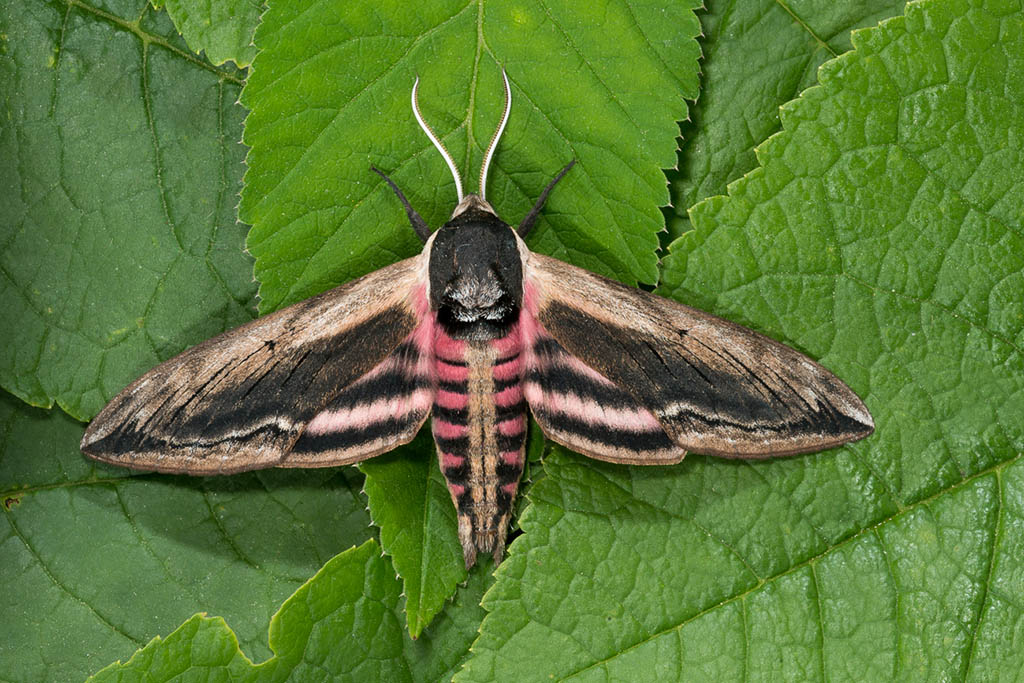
<point>531,217</point>
<point>418,224</point>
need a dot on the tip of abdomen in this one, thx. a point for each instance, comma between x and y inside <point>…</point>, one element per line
<point>482,534</point>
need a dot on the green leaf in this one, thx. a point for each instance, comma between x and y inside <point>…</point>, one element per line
<point>420,533</point>
<point>222,30</point>
<point>330,96</point>
<point>96,561</point>
<point>726,571</point>
<point>120,175</point>
<point>343,625</point>
<point>882,235</point>
<point>895,558</point>
<point>757,56</point>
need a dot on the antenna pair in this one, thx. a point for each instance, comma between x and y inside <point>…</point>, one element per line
<point>418,224</point>
<point>488,156</point>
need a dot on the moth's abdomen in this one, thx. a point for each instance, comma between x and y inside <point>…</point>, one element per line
<point>479,424</point>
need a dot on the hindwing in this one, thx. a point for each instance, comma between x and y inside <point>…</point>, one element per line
<point>583,410</point>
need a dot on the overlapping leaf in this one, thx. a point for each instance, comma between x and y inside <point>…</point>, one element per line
<point>343,625</point>
<point>96,562</point>
<point>420,532</point>
<point>220,30</point>
<point>120,178</point>
<point>700,574</point>
<point>757,56</point>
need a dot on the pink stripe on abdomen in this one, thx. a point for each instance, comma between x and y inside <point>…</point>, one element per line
<point>447,430</point>
<point>479,425</point>
<point>509,396</point>
<point>448,372</point>
<point>449,461</point>
<point>446,348</point>
<point>512,426</point>
<point>451,399</point>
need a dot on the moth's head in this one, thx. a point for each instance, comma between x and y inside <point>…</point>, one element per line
<point>476,273</point>
<point>475,263</point>
<point>473,202</point>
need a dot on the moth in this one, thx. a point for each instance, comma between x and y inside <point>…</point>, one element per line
<point>476,332</point>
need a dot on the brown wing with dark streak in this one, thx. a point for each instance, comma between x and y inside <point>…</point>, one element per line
<point>714,386</point>
<point>241,400</point>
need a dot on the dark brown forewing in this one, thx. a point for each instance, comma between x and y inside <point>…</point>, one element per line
<point>716,387</point>
<point>240,400</point>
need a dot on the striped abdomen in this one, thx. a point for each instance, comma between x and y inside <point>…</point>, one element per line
<point>479,424</point>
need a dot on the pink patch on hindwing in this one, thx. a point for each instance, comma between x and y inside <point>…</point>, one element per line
<point>413,366</point>
<point>567,402</point>
<point>449,461</point>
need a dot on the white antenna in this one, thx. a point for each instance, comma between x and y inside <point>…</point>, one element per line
<point>489,155</point>
<point>436,140</point>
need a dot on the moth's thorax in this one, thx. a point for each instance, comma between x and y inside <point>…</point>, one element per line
<point>476,274</point>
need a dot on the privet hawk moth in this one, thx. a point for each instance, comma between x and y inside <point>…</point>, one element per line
<point>476,332</point>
